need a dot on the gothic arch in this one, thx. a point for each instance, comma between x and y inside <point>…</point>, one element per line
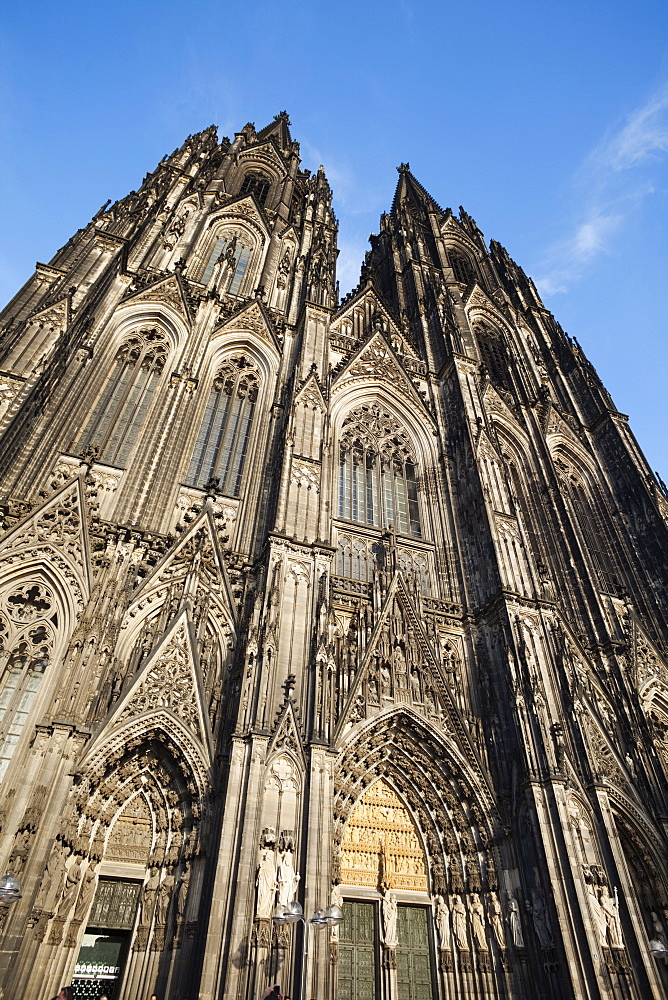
<point>432,781</point>
<point>226,226</point>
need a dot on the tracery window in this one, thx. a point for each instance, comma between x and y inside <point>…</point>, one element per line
<point>233,253</point>
<point>119,413</point>
<point>256,184</point>
<point>27,633</point>
<point>494,355</point>
<point>377,472</point>
<point>222,442</point>
<point>588,508</point>
<point>462,267</point>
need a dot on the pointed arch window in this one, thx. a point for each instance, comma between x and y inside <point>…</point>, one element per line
<point>494,355</point>
<point>256,184</point>
<point>222,443</point>
<point>232,253</point>
<point>461,265</point>
<point>28,623</point>
<point>119,413</point>
<point>377,473</point>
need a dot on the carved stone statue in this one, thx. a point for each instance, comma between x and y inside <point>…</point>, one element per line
<point>336,899</point>
<point>610,907</point>
<point>442,917</point>
<point>514,921</point>
<point>658,930</point>
<point>287,878</point>
<point>164,896</point>
<point>496,919</point>
<point>86,894</point>
<point>266,884</point>
<point>148,897</point>
<point>598,915</point>
<point>390,920</point>
<point>477,921</point>
<point>182,893</point>
<point>459,922</point>
<point>540,920</point>
<point>70,887</point>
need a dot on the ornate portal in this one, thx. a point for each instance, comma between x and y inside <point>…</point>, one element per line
<point>380,843</point>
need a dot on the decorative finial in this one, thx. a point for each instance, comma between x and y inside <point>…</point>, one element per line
<point>283,116</point>
<point>403,168</point>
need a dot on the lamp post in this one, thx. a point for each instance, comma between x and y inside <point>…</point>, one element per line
<point>292,914</point>
<point>659,950</point>
<point>10,889</point>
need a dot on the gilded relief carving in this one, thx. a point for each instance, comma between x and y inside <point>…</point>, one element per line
<point>380,843</point>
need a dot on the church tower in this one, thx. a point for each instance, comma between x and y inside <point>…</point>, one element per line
<point>308,603</point>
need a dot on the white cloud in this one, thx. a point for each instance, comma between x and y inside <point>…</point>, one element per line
<point>611,184</point>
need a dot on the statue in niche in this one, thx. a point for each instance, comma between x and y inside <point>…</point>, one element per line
<point>287,878</point>
<point>597,914</point>
<point>459,922</point>
<point>442,917</point>
<point>336,899</point>
<point>399,664</point>
<point>373,687</point>
<point>540,920</point>
<point>514,921</point>
<point>53,869</point>
<point>148,897</point>
<point>182,893</point>
<point>477,921</point>
<point>385,680</point>
<point>164,897</point>
<point>658,930</point>
<point>415,685</point>
<point>610,907</point>
<point>72,876</point>
<point>390,919</point>
<point>496,919</point>
<point>266,884</point>
<point>86,894</point>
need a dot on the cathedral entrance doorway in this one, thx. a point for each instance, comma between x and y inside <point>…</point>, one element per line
<point>106,941</point>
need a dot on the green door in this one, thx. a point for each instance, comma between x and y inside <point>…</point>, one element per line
<point>357,964</point>
<point>105,944</point>
<point>413,960</point>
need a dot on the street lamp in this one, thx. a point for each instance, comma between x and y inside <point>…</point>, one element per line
<point>293,913</point>
<point>659,950</point>
<point>10,889</point>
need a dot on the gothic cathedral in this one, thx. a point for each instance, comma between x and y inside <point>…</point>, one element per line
<point>310,603</point>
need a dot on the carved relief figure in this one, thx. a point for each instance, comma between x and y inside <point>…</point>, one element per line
<point>610,907</point>
<point>477,921</point>
<point>459,922</point>
<point>514,921</point>
<point>496,919</point>
<point>442,917</point>
<point>390,919</point>
<point>540,920</point>
<point>266,884</point>
<point>287,878</point>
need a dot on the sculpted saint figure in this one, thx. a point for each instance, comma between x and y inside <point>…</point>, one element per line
<point>442,922</point>
<point>610,907</point>
<point>266,884</point>
<point>540,920</point>
<point>514,921</point>
<point>496,919</point>
<point>287,879</point>
<point>477,921</point>
<point>148,899</point>
<point>598,914</point>
<point>390,919</point>
<point>459,922</point>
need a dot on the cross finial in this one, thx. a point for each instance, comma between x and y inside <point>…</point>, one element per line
<point>289,685</point>
<point>403,168</point>
<point>283,116</point>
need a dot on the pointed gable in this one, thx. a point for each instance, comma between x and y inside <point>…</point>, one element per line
<point>410,191</point>
<point>58,526</point>
<point>168,291</point>
<point>376,360</point>
<point>255,318</point>
<point>401,668</point>
<point>168,689</point>
<point>197,555</point>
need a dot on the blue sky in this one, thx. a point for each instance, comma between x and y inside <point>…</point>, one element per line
<point>547,120</point>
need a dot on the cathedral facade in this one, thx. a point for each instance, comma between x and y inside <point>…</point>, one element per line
<point>353,603</point>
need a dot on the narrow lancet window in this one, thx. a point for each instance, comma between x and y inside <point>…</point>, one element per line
<point>121,408</point>
<point>377,473</point>
<point>222,442</point>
